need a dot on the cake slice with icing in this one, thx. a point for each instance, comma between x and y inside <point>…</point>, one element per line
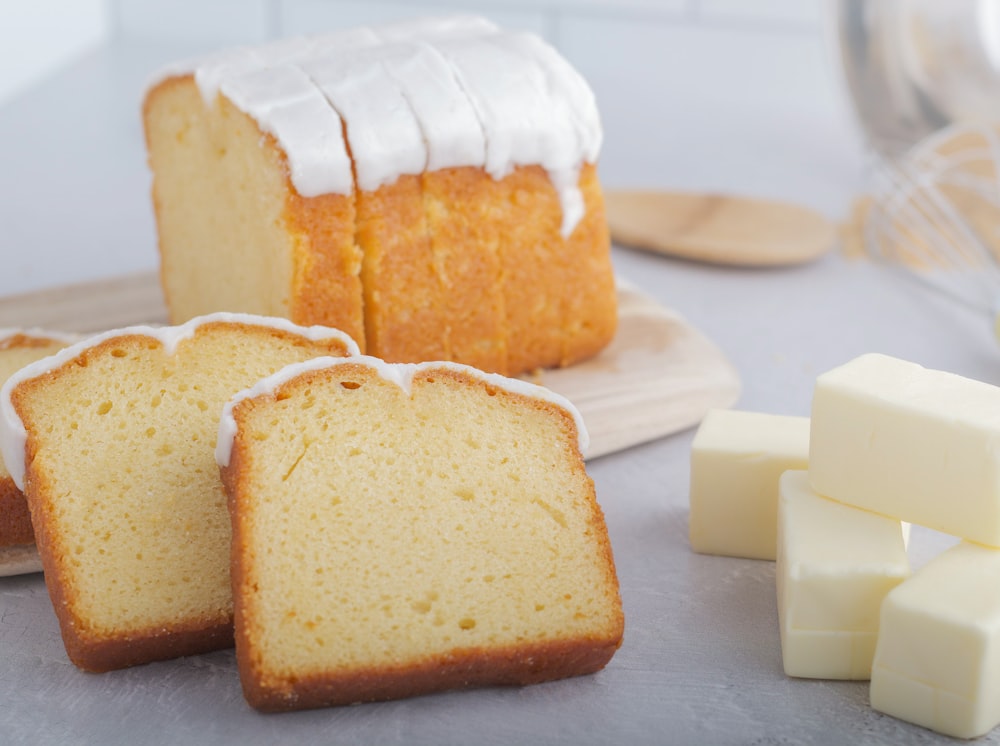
<point>112,441</point>
<point>402,529</point>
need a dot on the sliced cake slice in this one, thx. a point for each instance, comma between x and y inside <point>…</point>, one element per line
<point>112,442</point>
<point>403,529</point>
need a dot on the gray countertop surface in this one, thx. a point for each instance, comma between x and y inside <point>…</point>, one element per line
<point>701,660</point>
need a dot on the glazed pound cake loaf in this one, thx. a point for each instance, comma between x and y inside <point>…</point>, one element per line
<point>430,188</point>
<point>112,441</point>
<point>403,529</point>
<point>17,541</point>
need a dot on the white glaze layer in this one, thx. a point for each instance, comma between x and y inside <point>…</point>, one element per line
<point>448,122</point>
<point>286,104</point>
<point>568,90</point>
<point>408,95</point>
<point>399,373</point>
<point>13,436</point>
<point>385,138</point>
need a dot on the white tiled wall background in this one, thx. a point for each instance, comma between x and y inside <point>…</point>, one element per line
<point>685,87</point>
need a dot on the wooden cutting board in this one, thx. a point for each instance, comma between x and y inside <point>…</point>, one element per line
<point>660,375</point>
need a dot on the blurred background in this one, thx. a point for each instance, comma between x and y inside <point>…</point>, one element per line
<point>741,96</point>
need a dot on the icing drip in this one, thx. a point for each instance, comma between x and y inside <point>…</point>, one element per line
<point>570,95</point>
<point>568,90</point>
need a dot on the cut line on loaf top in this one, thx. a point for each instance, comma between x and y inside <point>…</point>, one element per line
<point>405,529</point>
<point>430,188</point>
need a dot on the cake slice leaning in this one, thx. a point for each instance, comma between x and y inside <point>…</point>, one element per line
<point>17,540</point>
<point>112,442</point>
<point>403,529</point>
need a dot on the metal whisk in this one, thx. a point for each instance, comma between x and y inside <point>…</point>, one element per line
<point>936,214</point>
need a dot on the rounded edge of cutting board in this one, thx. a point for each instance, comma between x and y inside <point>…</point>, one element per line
<point>718,228</point>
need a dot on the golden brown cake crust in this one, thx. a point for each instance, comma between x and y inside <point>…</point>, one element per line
<point>462,667</point>
<point>466,251</point>
<point>591,300</point>
<point>327,281</point>
<point>405,317</point>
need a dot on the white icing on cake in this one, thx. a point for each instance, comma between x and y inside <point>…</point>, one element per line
<point>288,106</point>
<point>12,433</point>
<point>399,373</point>
<point>568,90</point>
<point>385,138</point>
<point>450,127</point>
<point>408,95</point>
<point>573,101</point>
<point>211,71</point>
<point>507,90</point>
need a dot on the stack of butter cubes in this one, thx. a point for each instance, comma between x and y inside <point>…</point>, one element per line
<point>830,498</point>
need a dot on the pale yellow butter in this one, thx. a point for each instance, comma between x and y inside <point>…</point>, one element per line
<point>937,663</point>
<point>736,459</point>
<point>916,444</point>
<point>835,565</point>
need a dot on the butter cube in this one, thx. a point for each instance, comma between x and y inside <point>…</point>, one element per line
<point>736,459</point>
<point>916,444</point>
<point>835,565</point>
<point>937,663</point>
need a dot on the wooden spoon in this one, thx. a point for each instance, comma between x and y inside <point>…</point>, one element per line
<point>718,229</point>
